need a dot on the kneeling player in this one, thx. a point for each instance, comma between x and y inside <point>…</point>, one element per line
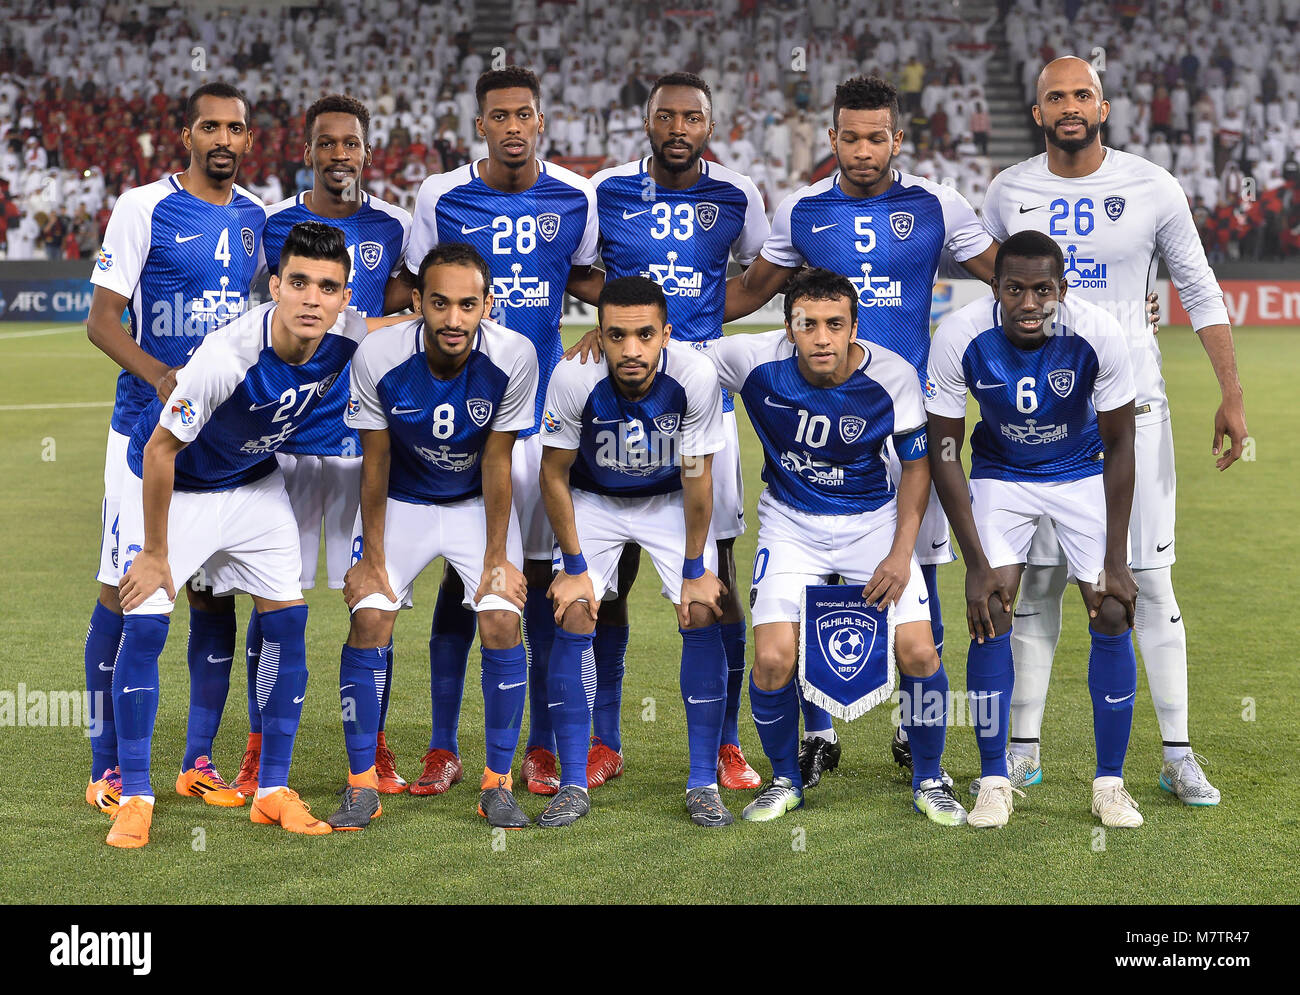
<point>629,446</point>
<point>438,401</point>
<point>205,491</point>
<point>1054,441</point>
<point>824,404</point>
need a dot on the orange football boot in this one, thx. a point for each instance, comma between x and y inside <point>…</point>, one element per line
<point>285,809</point>
<point>131,825</point>
<point>390,782</point>
<point>106,793</point>
<point>602,763</point>
<point>203,781</point>
<point>734,772</point>
<point>442,769</point>
<point>246,780</point>
<point>539,771</point>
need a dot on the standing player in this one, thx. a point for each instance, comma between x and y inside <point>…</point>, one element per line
<point>438,401</point>
<point>179,257</point>
<point>629,447</point>
<point>885,230</point>
<point>831,508</point>
<point>1054,385</point>
<point>535,224</point>
<point>1113,214</point>
<point>204,490</point>
<point>322,461</point>
<point>677,218</point>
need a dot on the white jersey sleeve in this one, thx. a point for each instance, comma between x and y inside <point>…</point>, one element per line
<point>1114,386</point>
<point>778,248</point>
<point>736,356</point>
<point>945,389</point>
<point>702,431</point>
<point>516,356</point>
<point>206,381</point>
<point>588,249</point>
<point>364,410</point>
<point>1180,246</point>
<point>424,221</point>
<point>127,240</point>
<point>566,397</point>
<point>994,206</point>
<point>899,379</point>
<point>964,234</point>
<point>753,236</point>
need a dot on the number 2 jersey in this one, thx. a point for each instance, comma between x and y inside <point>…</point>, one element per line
<point>530,239</point>
<point>1038,407</point>
<point>824,447</point>
<point>237,402</point>
<point>1112,226</point>
<point>185,267</point>
<point>437,428</point>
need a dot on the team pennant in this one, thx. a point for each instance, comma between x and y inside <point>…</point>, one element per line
<point>846,653</point>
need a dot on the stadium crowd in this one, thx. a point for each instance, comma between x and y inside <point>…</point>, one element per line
<point>88,112</point>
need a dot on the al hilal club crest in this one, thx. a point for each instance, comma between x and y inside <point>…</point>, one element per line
<point>480,410</point>
<point>901,222</point>
<point>707,213</point>
<point>667,424</point>
<point>847,638</point>
<point>1114,207</point>
<point>549,225</point>
<point>370,253</point>
<point>851,427</point>
<point>250,240</point>
<point>1061,381</point>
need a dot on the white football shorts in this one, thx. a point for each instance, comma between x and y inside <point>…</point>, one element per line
<point>932,542</point>
<point>526,495</point>
<point>325,492</point>
<point>115,468</point>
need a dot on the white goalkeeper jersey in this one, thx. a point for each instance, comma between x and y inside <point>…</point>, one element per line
<point>1112,226</point>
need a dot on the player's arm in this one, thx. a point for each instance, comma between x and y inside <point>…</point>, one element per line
<point>500,576</point>
<point>699,585</point>
<point>1117,430</point>
<point>585,283</point>
<point>149,570</point>
<point>572,583</point>
<point>397,292</point>
<point>889,581</point>
<point>369,575</point>
<point>750,290</point>
<point>1230,418</point>
<point>981,266</point>
<point>105,330</point>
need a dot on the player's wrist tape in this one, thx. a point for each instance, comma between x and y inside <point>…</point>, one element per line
<point>693,567</point>
<point>574,564</point>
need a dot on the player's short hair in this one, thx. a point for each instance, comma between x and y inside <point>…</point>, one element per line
<point>1029,245</point>
<point>820,285</point>
<point>680,79</point>
<point>340,103</point>
<point>454,254</point>
<point>866,93</point>
<point>501,79</point>
<point>314,240</point>
<point>225,91</point>
<point>630,291</point>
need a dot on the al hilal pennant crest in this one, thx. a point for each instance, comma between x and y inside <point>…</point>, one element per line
<point>846,651</point>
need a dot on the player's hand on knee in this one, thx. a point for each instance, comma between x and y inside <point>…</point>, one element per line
<point>1116,581</point>
<point>567,588</point>
<point>704,590</point>
<point>505,580</point>
<point>982,584</point>
<point>364,578</point>
<point>889,581</point>
<point>587,347</point>
<point>147,573</point>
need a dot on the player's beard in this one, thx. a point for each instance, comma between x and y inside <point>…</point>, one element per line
<point>220,172</point>
<point>1073,145</point>
<point>672,167</point>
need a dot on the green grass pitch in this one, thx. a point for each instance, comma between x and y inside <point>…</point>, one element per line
<point>857,839</point>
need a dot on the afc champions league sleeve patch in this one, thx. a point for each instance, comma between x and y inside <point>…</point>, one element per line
<point>846,651</point>
<point>184,407</point>
<point>551,421</point>
<point>354,406</point>
<point>105,259</point>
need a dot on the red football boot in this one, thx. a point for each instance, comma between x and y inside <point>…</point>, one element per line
<point>390,782</point>
<point>442,769</point>
<point>540,772</point>
<point>734,772</point>
<point>602,763</point>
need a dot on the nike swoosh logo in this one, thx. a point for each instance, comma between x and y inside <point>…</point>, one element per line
<point>1023,614</point>
<point>987,386</point>
<point>554,704</point>
<point>471,231</point>
<point>187,238</point>
<point>637,214</point>
<point>109,668</point>
<point>346,686</point>
<point>507,687</point>
<point>1171,622</point>
<point>769,722</point>
<point>983,697</point>
<point>404,411</point>
<point>259,407</point>
<point>1026,210</point>
<point>776,404</point>
<point>299,701</point>
<point>817,228</point>
<point>1116,701</point>
<point>219,659</point>
<point>924,600</point>
<point>692,700</point>
<point>936,545</point>
<point>129,690</point>
<point>607,421</point>
<point>1161,549</point>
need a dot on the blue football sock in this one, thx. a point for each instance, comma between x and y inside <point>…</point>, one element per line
<point>776,716</point>
<point>1112,682</point>
<point>210,654</point>
<point>450,638</point>
<point>281,688</point>
<point>570,717</point>
<point>733,647</point>
<point>814,716</point>
<point>539,635</point>
<point>930,574</point>
<point>704,693</point>
<point>925,717</point>
<point>360,673</point>
<point>505,678</point>
<point>135,697</point>
<point>102,639</point>
<point>387,693</point>
<point>990,677</point>
<point>610,647</point>
<point>252,653</point>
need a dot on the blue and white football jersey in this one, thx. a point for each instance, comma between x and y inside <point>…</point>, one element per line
<point>376,235</point>
<point>634,448</point>
<point>437,428</point>
<point>530,239</point>
<point>185,266</point>
<point>888,246</point>
<point>237,402</point>
<point>824,447</point>
<point>1038,408</point>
